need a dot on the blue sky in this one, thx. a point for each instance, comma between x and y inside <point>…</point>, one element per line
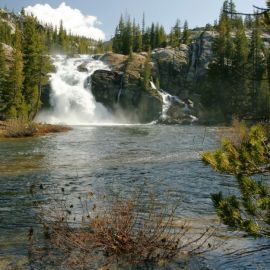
<point>197,12</point>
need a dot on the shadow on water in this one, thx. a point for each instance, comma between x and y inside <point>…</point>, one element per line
<point>96,158</point>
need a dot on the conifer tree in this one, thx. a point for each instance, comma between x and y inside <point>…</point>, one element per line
<point>186,33</point>
<point>256,62</point>
<point>3,80</point>
<point>153,37</point>
<point>137,40</point>
<point>240,93</point>
<point>147,40</point>
<point>162,37</point>
<point>175,34</point>
<point>16,106</point>
<point>62,37</point>
<point>244,159</point>
<point>32,51</point>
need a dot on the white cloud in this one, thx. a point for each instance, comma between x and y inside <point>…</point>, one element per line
<point>73,19</point>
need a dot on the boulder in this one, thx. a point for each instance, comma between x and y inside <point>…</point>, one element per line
<point>125,95</point>
<point>82,67</point>
<point>171,67</point>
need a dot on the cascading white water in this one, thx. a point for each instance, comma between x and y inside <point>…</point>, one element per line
<point>166,103</point>
<point>71,98</point>
<point>167,100</point>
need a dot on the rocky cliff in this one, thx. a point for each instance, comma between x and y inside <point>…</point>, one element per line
<point>176,70</point>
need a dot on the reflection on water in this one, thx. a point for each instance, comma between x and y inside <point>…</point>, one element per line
<point>96,158</point>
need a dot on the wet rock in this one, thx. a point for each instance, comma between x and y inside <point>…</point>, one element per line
<point>126,96</point>
<point>82,67</point>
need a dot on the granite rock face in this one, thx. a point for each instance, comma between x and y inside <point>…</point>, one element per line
<point>121,89</point>
<point>175,68</point>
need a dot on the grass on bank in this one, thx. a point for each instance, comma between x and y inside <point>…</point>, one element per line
<point>18,128</point>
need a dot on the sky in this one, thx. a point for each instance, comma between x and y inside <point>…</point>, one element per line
<point>98,18</point>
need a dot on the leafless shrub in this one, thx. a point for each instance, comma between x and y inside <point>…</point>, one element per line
<point>136,229</point>
<point>15,128</point>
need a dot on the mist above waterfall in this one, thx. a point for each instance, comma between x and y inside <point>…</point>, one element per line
<point>71,98</point>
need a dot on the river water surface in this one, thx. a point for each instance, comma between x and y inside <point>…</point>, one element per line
<point>94,158</point>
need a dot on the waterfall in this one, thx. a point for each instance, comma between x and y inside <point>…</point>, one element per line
<point>169,100</point>
<point>71,99</point>
<point>166,103</point>
<point>119,95</point>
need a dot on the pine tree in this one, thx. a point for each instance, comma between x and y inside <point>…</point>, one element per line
<point>137,41</point>
<point>248,22</point>
<point>250,210</point>
<point>220,74</point>
<point>147,40</point>
<point>3,81</point>
<point>62,37</point>
<point>162,37</point>
<point>153,37</point>
<point>128,38</point>
<point>143,24</point>
<point>119,36</point>
<point>16,106</point>
<point>32,51</point>
<point>263,100</point>
<point>240,96</point>
<point>186,33</point>
<point>175,34</point>
<point>256,62</point>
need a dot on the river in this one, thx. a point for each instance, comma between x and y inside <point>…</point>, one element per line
<point>95,158</point>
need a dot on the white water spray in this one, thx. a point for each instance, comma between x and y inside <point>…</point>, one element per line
<point>167,100</point>
<point>71,98</point>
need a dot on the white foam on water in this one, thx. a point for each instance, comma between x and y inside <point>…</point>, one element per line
<point>71,98</point>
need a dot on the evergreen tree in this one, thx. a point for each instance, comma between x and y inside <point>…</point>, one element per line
<point>244,159</point>
<point>153,37</point>
<point>143,24</point>
<point>240,96</point>
<point>220,74</point>
<point>186,33</point>
<point>3,80</point>
<point>32,51</point>
<point>248,22</point>
<point>256,63</point>
<point>16,106</point>
<point>263,100</point>
<point>62,37</point>
<point>162,37</point>
<point>147,40</point>
<point>175,34</point>
<point>137,41</point>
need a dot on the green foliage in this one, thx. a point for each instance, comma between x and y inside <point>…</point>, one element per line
<point>186,34</point>
<point>250,211</point>
<point>3,78</point>
<point>147,72</point>
<point>25,61</point>
<point>175,35</point>
<point>16,106</point>
<point>239,73</point>
<point>131,37</point>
